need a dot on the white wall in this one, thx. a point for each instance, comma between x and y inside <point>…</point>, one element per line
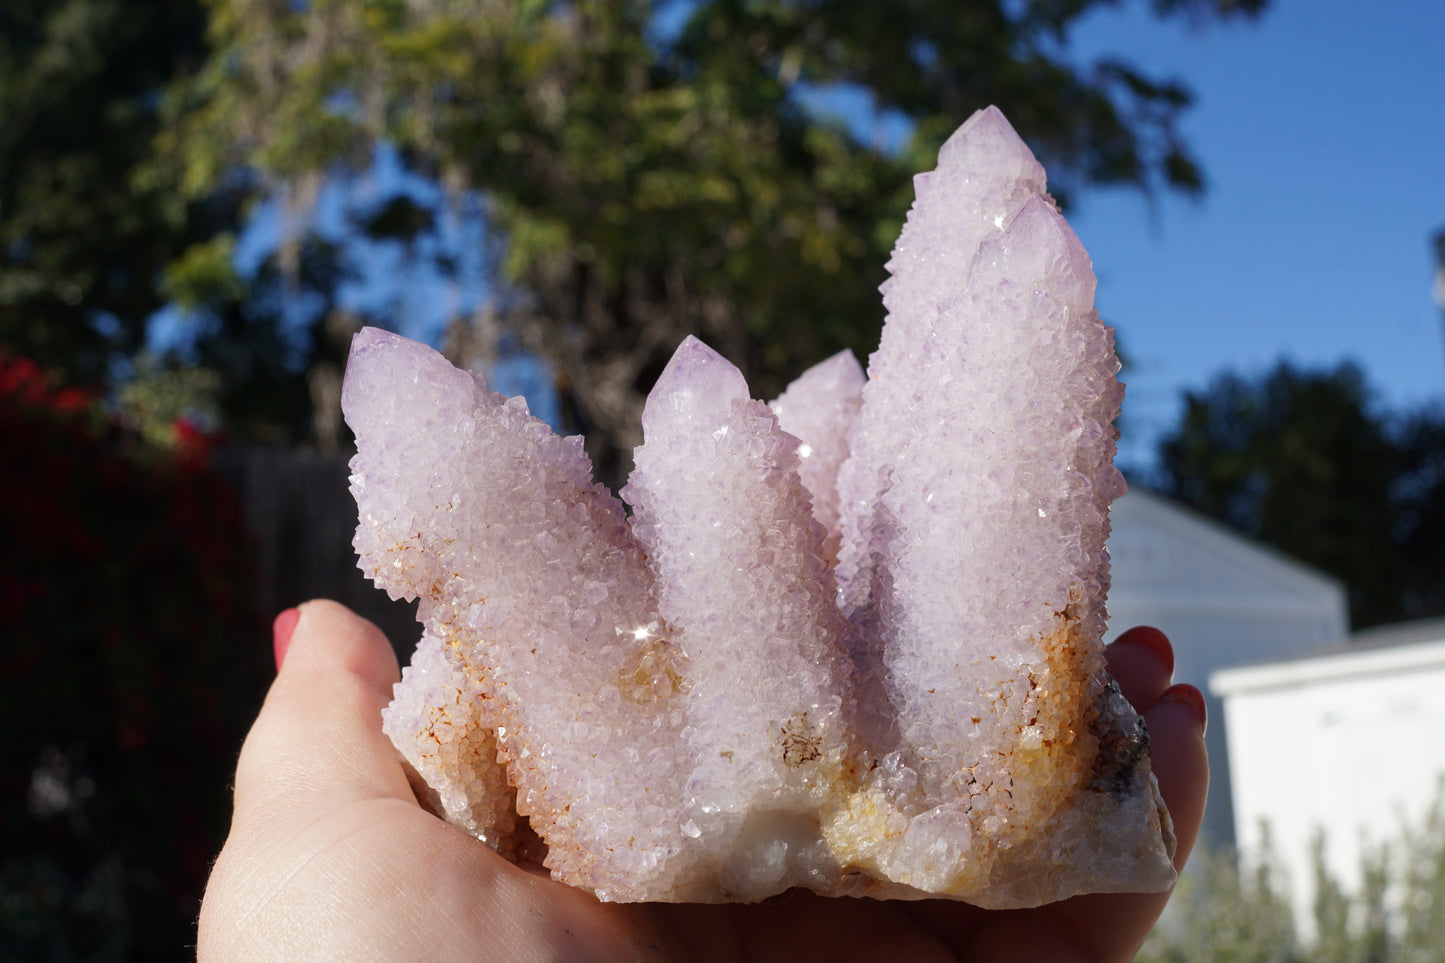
<point>1222,601</point>
<point>1349,744</point>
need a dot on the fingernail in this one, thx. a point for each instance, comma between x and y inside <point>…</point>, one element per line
<point>1190,697</point>
<point>281,631</point>
<point>1153,640</point>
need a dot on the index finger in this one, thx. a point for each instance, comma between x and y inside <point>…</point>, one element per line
<point>317,743</point>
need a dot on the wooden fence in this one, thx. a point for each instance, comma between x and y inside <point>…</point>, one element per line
<point>301,517</point>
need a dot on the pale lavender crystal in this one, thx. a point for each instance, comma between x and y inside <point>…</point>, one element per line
<point>819,409</point>
<point>743,582</point>
<point>532,581</point>
<point>984,175</point>
<point>694,703</point>
<point>1003,511</point>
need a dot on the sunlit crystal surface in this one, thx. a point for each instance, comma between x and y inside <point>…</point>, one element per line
<point>819,410</point>
<point>850,640</point>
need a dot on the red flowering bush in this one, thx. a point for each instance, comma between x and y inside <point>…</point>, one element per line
<point>133,661</point>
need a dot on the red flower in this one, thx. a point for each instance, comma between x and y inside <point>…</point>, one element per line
<point>70,400</point>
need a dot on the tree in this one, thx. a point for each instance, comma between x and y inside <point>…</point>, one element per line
<point>642,184</point>
<point>96,235</point>
<point>83,237</point>
<point>1305,462</point>
<point>1421,488</point>
<point>268,339</point>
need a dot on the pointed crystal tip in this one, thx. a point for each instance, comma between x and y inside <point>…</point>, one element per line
<point>697,382</point>
<point>988,144</point>
<point>1039,235</point>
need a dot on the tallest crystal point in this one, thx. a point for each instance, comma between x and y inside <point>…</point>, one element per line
<point>851,642</point>
<point>988,146</point>
<point>985,176</point>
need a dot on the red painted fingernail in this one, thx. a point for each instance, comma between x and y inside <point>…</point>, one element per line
<point>1186,695</point>
<point>1153,640</point>
<point>281,631</point>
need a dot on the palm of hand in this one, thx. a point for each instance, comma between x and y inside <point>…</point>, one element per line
<point>331,857</point>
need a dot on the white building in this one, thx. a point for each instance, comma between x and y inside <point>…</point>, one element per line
<point>1346,742</point>
<point>1223,601</point>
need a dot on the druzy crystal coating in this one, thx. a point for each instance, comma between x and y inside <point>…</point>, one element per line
<point>850,640</point>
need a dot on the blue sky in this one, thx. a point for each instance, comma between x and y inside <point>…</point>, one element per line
<point>1321,128</point>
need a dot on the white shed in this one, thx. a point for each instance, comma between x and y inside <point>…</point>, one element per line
<point>1222,600</point>
<point>1345,741</point>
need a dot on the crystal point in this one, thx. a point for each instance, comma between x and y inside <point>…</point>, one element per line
<point>698,383</point>
<point>819,409</point>
<point>987,145</point>
<point>851,640</point>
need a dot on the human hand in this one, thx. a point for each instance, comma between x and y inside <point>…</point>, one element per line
<point>331,857</point>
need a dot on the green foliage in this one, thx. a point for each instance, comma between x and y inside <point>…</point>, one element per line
<point>1396,914</point>
<point>96,234</point>
<point>639,186</point>
<point>1224,915</point>
<point>261,350</point>
<point>205,275</point>
<point>1422,905</point>
<point>1304,461</point>
<point>1351,927</point>
<point>82,240</point>
<point>160,395</point>
<point>646,187</point>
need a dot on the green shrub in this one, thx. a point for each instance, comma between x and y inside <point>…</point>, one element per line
<point>1223,911</point>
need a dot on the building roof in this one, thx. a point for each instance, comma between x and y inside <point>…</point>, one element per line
<point>1387,649</point>
<point>1177,558</point>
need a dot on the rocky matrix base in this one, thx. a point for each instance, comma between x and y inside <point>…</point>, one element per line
<point>849,640</point>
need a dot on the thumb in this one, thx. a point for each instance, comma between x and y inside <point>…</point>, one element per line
<point>317,744</point>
